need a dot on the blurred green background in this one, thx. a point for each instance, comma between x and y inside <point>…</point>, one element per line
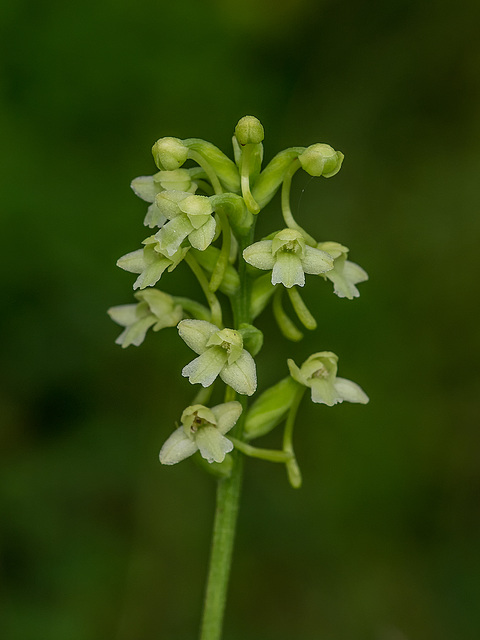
<point>98,541</point>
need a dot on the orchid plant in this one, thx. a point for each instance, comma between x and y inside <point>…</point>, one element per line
<point>203,216</point>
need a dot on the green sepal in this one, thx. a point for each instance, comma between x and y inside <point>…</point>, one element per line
<point>252,338</point>
<point>234,207</point>
<point>272,176</point>
<point>225,168</point>
<point>208,259</point>
<point>216,469</point>
<point>270,408</point>
<point>262,291</point>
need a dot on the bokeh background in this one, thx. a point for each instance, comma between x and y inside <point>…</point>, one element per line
<point>98,541</point>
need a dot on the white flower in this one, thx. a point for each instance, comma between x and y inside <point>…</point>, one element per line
<point>150,262</point>
<point>155,309</point>
<point>202,429</point>
<point>319,372</point>
<point>188,216</point>
<point>221,353</point>
<point>289,257</point>
<point>147,187</point>
<point>345,274</point>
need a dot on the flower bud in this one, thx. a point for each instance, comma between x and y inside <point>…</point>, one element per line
<point>176,180</point>
<point>270,408</point>
<point>249,130</point>
<point>262,291</point>
<point>169,153</point>
<point>321,160</point>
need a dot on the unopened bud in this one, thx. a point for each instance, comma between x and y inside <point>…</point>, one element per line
<point>321,160</point>
<point>249,130</point>
<point>169,153</point>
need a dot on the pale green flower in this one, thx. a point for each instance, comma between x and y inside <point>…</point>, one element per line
<point>188,216</point>
<point>150,262</point>
<point>345,274</point>
<point>220,353</point>
<point>147,187</point>
<point>289,257</point>
<point>155,309</point>
<point>319,372</point>
<point>202,429</point>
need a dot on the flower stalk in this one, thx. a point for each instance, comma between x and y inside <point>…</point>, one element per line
<point>188,210</point>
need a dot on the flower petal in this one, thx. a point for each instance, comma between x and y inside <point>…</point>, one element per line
<point>202,238</point>
<point>288,270</point>
<point>178,447</point>
<point>124,314</point>
<point>354,272</point>
<point>196,333</point>
<point>135,333</point>
<point>204,369</point>
<point>154,217</point>
<point>152,274</point>
<point>335,249</point>
<point>144,187</point>
<point>323,391</point>
<point>167,203</point>
<point>160,303</point>
<point>226,415</point>
<point>212,444</point>
<point>259,255</point>
<point>316,261</point>
<point>196,205</point>
<point>241,375</point>
<point>172,234</point>
<point>296,372</point>
<point>350,391</point>
<point>133,262</point>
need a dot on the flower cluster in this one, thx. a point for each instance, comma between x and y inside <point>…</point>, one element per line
<point>202,212</point>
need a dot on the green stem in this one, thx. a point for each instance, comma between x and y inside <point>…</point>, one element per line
<point>212,176</point>
<point>228,494</point>
<point>219,270</point>
<point>252,206</point>
<point>228,498</point>
<point>212,299</point>
<point>286,210</point>
<point>272,455</point>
